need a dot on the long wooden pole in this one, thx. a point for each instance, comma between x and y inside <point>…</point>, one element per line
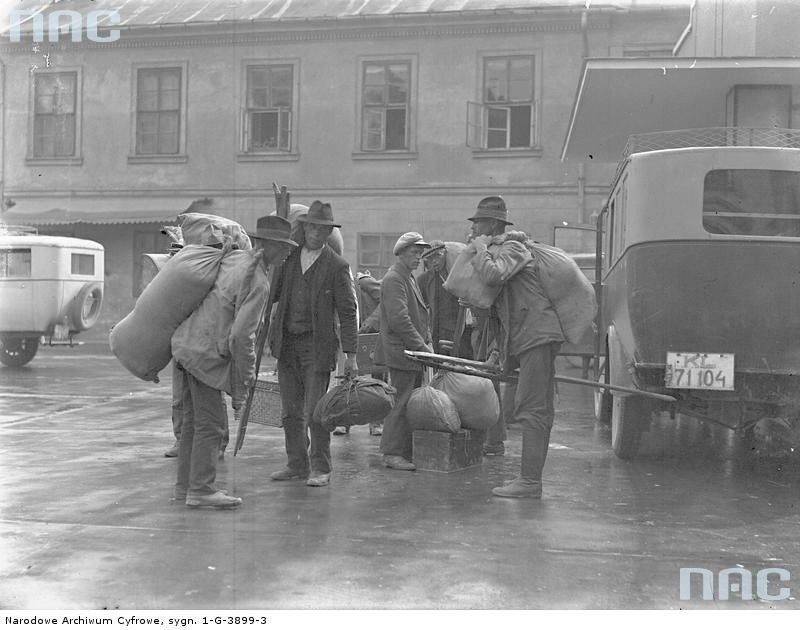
<point>282,205</point>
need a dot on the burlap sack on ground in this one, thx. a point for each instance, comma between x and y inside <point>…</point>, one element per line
<point>142,339</point>
<point>430,409</point>
<point>473,396</point>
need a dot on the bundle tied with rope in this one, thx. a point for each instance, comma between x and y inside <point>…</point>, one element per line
<point>355,401</point>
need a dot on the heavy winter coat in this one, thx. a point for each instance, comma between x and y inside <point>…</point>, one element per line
<point>405,321</point>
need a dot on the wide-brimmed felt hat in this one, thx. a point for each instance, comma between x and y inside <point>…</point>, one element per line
<point>273,228</point>
<point>493,207</point>
<point>319,214</point>
<point>407,240</point>
<point>436,246</point>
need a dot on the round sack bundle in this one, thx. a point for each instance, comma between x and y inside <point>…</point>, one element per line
<point>473,396</point>
<point>142,340</point>
<point>429,409</point>
<point>209,229</point>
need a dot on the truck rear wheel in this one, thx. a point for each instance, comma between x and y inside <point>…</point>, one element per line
<point>630,417</point>
<point>85,309</point>
<point>17,351</point>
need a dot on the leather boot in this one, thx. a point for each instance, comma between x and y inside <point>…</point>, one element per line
<point>535,443</point>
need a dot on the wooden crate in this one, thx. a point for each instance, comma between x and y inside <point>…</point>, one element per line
<point>447,452</point>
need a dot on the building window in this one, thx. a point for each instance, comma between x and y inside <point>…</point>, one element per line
<point>505,118</point>
<point>268,116</point>
<point>159,109</point>
<point>54,114</point>
<point>385,106</point>
<point>375,252</point>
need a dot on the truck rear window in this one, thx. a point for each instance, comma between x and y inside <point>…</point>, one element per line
<point>15,263</point>
<point>82,265</point>
<point>752,202</point>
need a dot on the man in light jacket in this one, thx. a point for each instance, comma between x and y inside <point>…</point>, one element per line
<point>405,325</point>
<point>530,337</point>
<point>214,350</point>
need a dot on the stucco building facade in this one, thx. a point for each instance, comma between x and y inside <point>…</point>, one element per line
<point>402,115</point>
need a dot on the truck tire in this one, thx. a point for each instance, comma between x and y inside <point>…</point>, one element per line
<point>17,351</point>
<point>85,309</point>
<point>630,417</point>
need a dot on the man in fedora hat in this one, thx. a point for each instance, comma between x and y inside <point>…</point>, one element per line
<point>313,288</point>
<point>529,337</point>
<point>404,326</point>
<point>214,351</point>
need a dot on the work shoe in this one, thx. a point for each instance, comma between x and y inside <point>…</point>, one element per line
<point>494,449</point>
<point>179,494</point>
<point>397,462</point>
<point>341,430</point>
<point>217,500</point>
<point>376,429</point>
<point>287,474</point>
<point>173,452</point>
<point>520,488</point>
<point>319,479</point>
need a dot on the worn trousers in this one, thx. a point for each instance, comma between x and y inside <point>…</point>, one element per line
<point>535,391</point>
<point>177,408</point>
<point>202,430</point>
<point>396,438</point>
<point>302,384</point>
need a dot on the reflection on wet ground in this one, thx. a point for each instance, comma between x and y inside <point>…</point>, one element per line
<point>86,519</point>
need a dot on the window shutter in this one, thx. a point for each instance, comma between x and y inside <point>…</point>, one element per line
<point>475,118</point>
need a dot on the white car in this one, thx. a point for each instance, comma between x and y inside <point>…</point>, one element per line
<point>51,287</point>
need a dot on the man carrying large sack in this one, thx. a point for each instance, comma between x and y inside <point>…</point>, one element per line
<point>405,325</point>
<point>530,338</point>
<point>313,289</point>
<point>214,350</point>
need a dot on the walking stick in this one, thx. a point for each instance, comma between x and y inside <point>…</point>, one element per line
<point>282,198</point>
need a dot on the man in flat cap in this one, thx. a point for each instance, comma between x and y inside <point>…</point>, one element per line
<point>530,337</point>
<point>313,288</point>
<point>214,351</point>
<point>404,326</point>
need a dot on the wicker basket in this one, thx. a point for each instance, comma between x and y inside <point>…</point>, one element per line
<point>266,407</point>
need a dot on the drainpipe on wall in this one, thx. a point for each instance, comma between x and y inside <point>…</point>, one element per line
<point>581,168</point>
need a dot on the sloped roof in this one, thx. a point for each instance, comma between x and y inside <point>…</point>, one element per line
<point>160,12</point>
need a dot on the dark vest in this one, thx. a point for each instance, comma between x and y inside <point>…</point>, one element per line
<point>298,314</point>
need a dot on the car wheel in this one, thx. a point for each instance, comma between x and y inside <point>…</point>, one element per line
<point>630,417</point>
<point>85,309</point>
<point>17,351</point>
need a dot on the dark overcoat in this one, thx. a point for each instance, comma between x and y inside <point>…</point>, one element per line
<point>405,321</point>
<point>332,295</point>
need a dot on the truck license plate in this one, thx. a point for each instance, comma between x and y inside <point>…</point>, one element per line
<point>699,370</point>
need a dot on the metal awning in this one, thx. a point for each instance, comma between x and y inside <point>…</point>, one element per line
<point>43,212</point>
<point>620,97</point>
